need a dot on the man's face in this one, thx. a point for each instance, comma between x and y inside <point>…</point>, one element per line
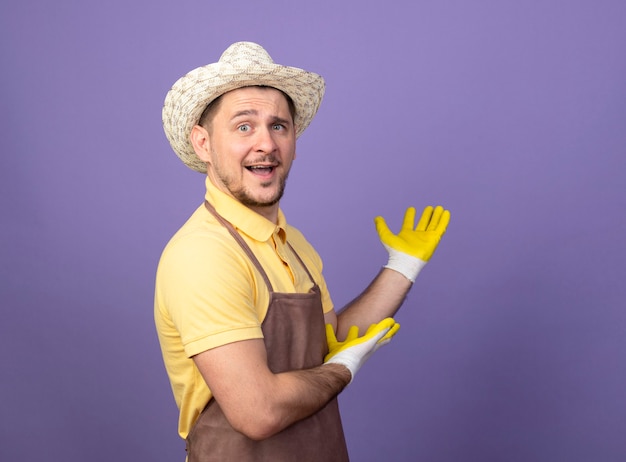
<point>252,145</point>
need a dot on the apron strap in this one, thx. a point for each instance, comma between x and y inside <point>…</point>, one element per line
<point>302,263</point>
<point>248,250</point>
<point>242,243</point>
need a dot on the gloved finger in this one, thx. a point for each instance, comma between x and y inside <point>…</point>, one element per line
<point>382,229</point>
<point>443,218</point>
<point>353,333</point>
<point>390,333</point>
<point>409,219</point>
<point>436,217</point>
<point>330,334</point>
<point>383,325</point>
<point>377,340</point>
<point>425,219</point>
<point>443,222</point>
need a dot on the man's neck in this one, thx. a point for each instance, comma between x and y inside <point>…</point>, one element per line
<point>270,212</point>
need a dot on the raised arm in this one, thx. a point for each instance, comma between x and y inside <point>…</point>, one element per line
<point>409,251</point>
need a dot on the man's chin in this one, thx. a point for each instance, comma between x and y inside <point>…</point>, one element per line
<point>263,195</point>
<point>260,202</point>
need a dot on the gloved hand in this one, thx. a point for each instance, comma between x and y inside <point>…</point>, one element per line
<point>354,350</point>
<point>410,249</point>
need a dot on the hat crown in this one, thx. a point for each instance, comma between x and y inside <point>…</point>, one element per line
<point>244,55</point>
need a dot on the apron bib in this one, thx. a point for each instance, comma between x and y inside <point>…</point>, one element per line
<point>295,338</point>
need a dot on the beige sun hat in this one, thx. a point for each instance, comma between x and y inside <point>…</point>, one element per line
<point>243,64</point>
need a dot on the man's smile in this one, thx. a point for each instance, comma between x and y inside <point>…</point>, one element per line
<point>261,169</point>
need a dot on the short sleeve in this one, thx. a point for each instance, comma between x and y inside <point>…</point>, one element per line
<point>205,285</point>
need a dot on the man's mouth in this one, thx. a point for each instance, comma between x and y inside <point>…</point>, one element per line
<point>261,169</point>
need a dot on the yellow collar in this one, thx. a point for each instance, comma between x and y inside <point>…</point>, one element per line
<point>243,218</point>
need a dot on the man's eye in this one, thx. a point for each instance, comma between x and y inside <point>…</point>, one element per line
<point>243,128</point>
<point>278,127</point>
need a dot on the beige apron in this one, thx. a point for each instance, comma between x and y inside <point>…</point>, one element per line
<point>295,338</point>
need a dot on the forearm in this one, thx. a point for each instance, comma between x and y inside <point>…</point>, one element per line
<point>380,300</point>
<point>258,402</point>
<point>300,394</point>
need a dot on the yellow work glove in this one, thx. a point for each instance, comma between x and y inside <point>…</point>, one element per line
<point>354,350</point>
<point>412,247</point>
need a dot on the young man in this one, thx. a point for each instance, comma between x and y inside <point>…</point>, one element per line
<point>247,328</point>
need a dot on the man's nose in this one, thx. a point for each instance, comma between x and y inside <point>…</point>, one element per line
<point>264,141</point>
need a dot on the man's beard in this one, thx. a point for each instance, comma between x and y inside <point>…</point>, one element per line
<point>243,195</point>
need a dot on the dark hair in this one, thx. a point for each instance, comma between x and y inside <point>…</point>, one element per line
<point>209,111</point>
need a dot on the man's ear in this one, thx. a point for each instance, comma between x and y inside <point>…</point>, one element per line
<point>201,142</point>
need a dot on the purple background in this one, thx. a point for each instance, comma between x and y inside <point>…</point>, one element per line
<point>512,114</point>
